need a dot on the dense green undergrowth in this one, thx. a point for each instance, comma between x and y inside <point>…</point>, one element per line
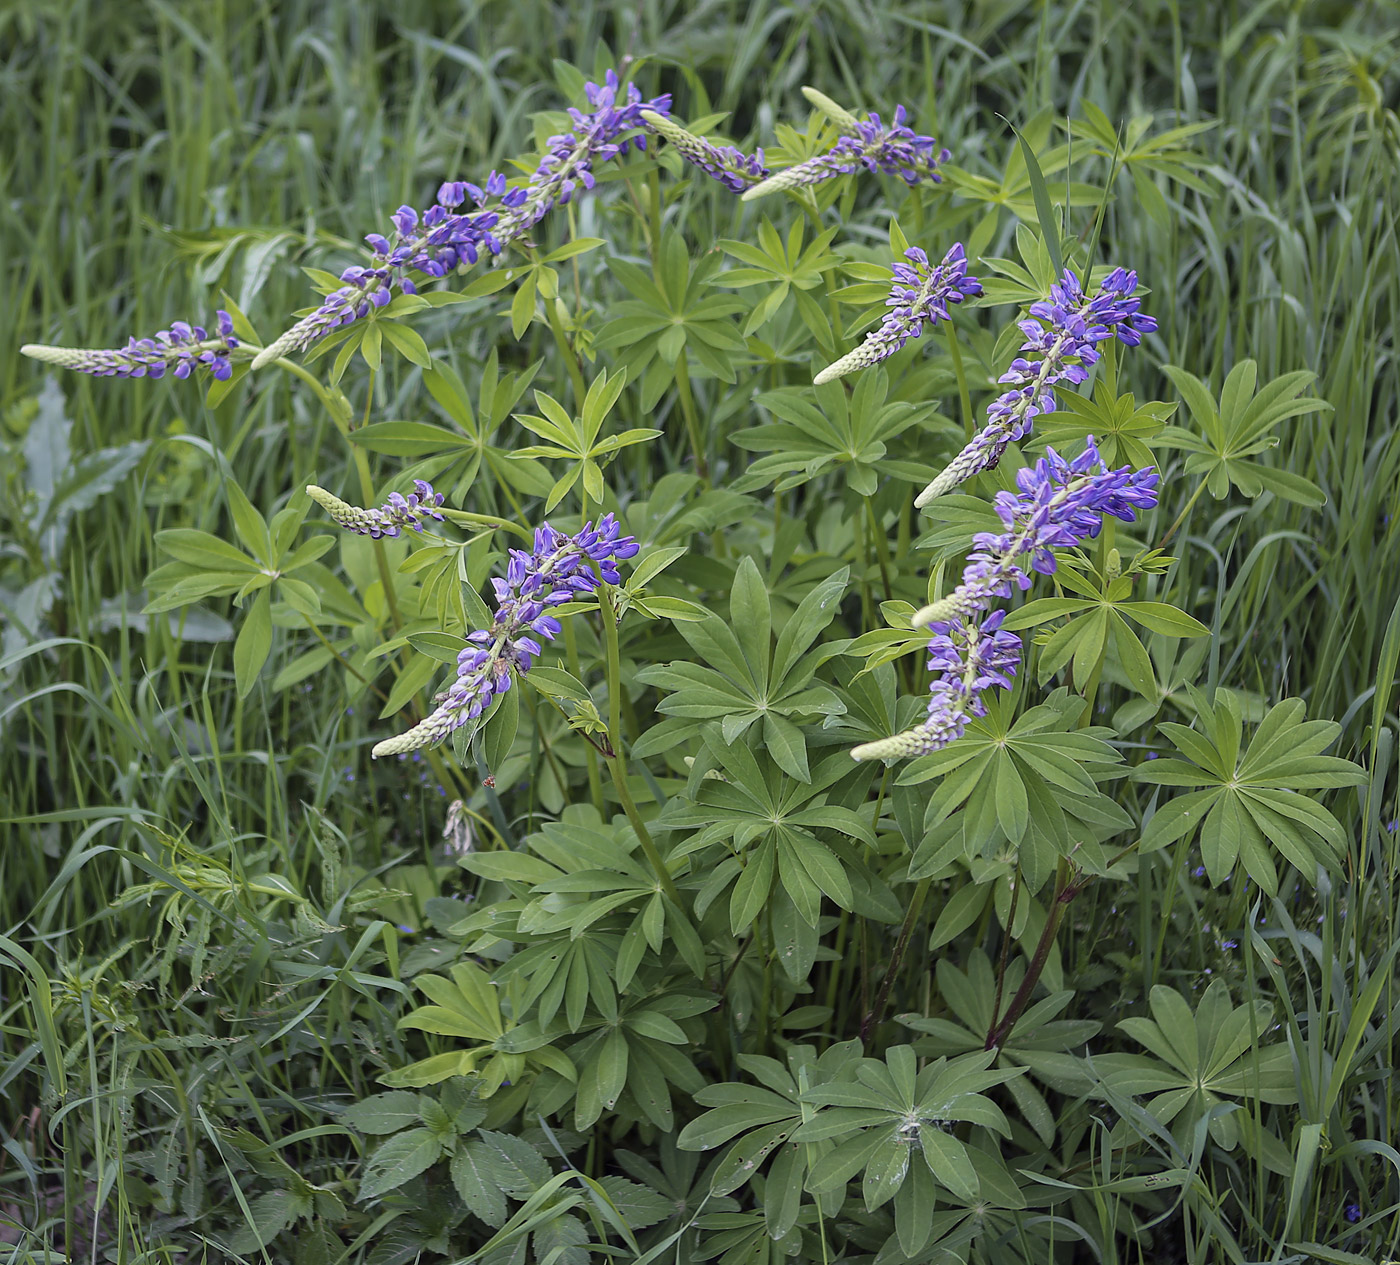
<point>650,969</point>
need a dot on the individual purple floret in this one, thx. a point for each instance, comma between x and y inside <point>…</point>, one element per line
<point>389,519</point>
<point>1062,334</point>
<point>733,168</point>
<point>181,350</point>
<point>896,150</point>
<point>919,294</point>
<point>447,237</point>
<point>556,571</point>
<point>1059,503</point>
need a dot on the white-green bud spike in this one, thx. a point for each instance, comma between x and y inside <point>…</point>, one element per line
<point>843,118</point>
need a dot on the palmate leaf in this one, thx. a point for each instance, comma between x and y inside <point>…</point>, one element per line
<point>1031,783</point>
<point>1039,1042</point>
<point>1098,620</point>
<point>1238,430</point>
<point>1255,801</point>
<point>769,822</point>
<point>672,313</point>
<point>1200,1060</point>
<point>894,1114</point>
<point>761,1118</point>
<point>847,432</point>
<point>744,677</point>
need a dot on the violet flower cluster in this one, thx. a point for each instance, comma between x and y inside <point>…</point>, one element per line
<point>447,237</point>
<point>920,293</point>
<point>733,168</point>
<point>180,350</point>
<point>555,572</point>
<point>1059,504</point>
<point>389,519</point>
<point>896,149</point>
<point>1062,334</point>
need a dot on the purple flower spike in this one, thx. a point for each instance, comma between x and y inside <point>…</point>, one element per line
<point>919,294</point>
<point>733,168</point>
<point>1058,504</point>
<point>469,222</point>
<point>966,661</point>
<point>389,519</point>
<point>181,349</point>
<point>556,571</point>
<point>896,150</point>
<point>1062,337</point>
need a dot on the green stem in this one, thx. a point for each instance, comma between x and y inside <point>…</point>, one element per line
<point>964,395</point>
<point>692,421</point>
<point>882,553</point>
<point>616,763</point>
<point>877,1012</point>
<point>590,755</point>
<point>1181,518</point>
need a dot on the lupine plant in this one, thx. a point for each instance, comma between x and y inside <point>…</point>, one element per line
<point>771,791</point>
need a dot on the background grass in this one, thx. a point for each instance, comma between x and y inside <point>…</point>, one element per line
<point>153,154</point>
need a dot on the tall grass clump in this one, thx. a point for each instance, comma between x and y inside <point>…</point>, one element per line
<point>699,633</point>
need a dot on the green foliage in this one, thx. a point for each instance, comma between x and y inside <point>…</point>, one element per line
<point>646,968</point>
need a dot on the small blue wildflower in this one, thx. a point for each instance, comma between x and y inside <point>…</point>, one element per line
<point>389,519</point>
<point>1353,1213</point>
<point>1062,335</point>
<point>920,293</point>
<point>181,349</point>
<point>554,572</point>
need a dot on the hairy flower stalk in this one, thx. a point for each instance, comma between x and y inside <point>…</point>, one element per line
<point>919,294</point>
<point>181,350</point>
<point>896,150</point>
<point>733,168</point>
<point>1059,504</point>
<point>1063,331</point>
<point>389,519</point>
<point>445,238</point>
<point>556,571</point>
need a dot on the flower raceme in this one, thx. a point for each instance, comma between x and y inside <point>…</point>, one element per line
<point>920,293</point>
<point>1059,504</point>
<point>389,519</point>
<point>733,168</point>
<point>895,149</point>
<point>1062,332</point>
<point>556,571</point>
<point>181,350</point>
<point>446,237</point>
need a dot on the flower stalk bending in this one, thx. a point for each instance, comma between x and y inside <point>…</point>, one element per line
<point>389,519</point>
<point>445,237</point>
<point>733,168</point>
<point>896,150</point>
